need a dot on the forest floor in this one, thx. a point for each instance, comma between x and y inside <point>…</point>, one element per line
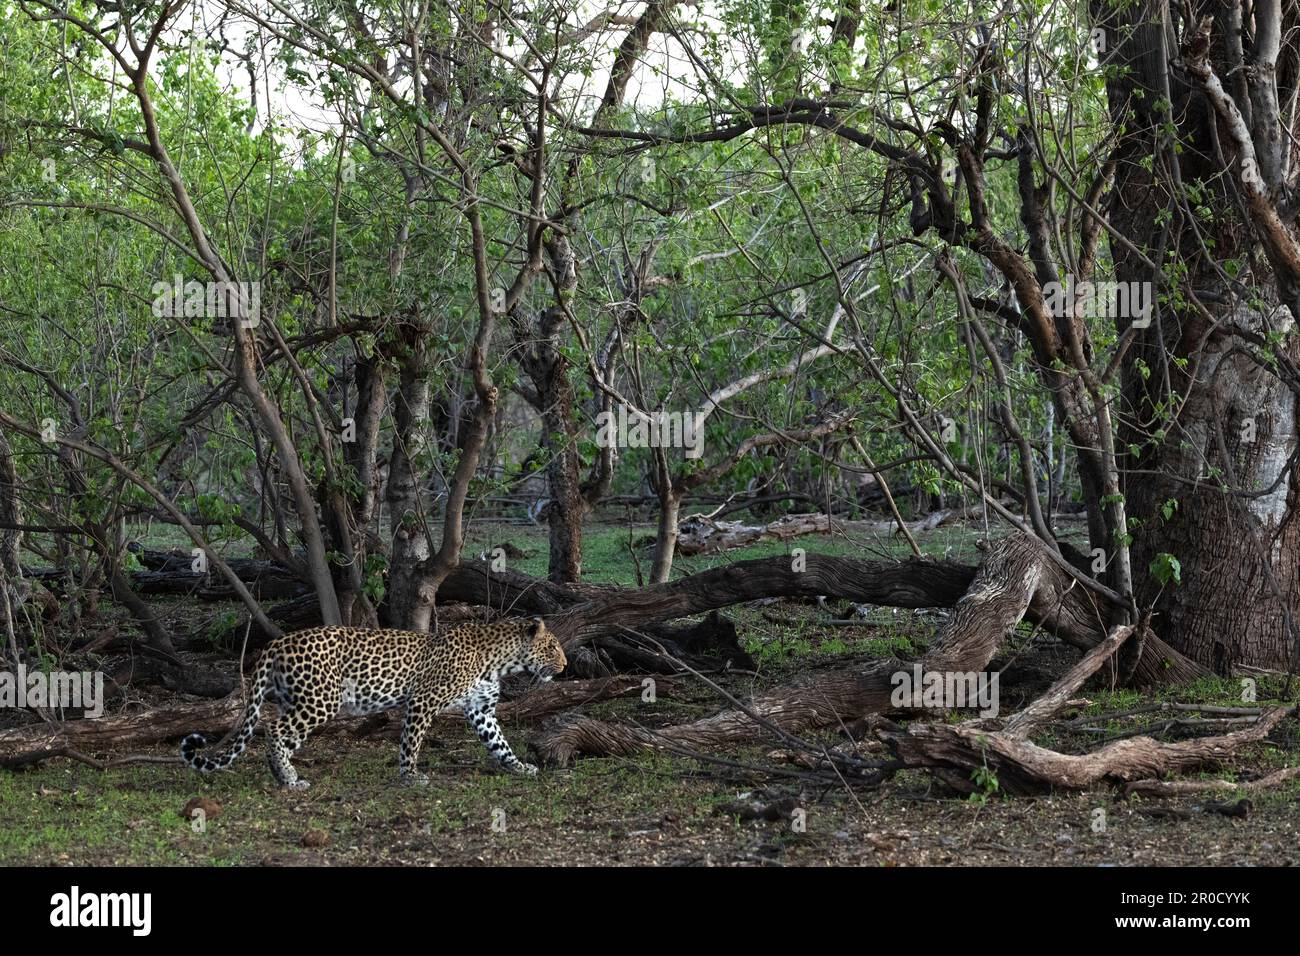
<point>653,809</point>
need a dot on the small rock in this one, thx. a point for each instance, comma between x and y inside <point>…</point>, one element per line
<point>315,838</point>
<point>211,809</point>
<point>1231,808</point>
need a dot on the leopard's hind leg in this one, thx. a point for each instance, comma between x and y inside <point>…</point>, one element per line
<point>290,732</point>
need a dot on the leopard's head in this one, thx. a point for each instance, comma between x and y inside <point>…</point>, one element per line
<point>542,652</point>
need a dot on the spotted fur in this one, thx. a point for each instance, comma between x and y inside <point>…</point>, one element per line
<point>315,674</point>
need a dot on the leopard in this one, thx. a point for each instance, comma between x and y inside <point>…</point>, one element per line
<point>316,674</point>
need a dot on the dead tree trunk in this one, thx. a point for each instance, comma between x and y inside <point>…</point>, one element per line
<point>954,752</point>
<point>1016,581</point>
<point>1016,577</point>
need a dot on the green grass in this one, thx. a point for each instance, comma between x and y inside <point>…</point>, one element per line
<point>73,813</point>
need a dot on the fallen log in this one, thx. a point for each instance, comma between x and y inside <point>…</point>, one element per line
<point>700,534</point>
<point>25,745</point>
<point>199,680</point>
<point>995,600</point>
<point>172,573</point>
<point>1177,788</point>
<point>954,752</point>
<point>964,755</point>
<point>1017,580</point>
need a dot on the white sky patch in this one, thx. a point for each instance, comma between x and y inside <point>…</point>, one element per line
<point>666,73</point>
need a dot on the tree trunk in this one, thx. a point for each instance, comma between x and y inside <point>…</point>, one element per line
<point>1226,611</point>
<point>1214,486</point>
<point>15,587</point>
<point>549,371</point>
<point>670,507</point>
<point>406,510</point>
<point>564,514</point>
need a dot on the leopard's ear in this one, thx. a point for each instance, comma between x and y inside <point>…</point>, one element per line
<point>535,626</point>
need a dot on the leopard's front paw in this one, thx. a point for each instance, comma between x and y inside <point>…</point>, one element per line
<point>523,769</point>
<point>298,785</point>
<point>415,779</point>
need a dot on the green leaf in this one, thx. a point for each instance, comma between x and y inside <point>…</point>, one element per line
<point>1165,568</point>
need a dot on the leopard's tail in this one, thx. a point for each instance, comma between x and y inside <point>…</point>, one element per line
<point>256,697</point>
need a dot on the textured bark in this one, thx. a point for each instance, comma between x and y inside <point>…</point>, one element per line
<point>1017,581</point>
<point>406,509</point>
<point>1176,788</point>
<point>23,745</point>
<point>548,370</point>
<point>564,513</point>
<point>1226,611</point>
<point>1240,553</point>
<point>1016,576</point>
<point>16,588</point>
<point>955,752</point>
<point>666,532</point>
<point>578,615</point>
